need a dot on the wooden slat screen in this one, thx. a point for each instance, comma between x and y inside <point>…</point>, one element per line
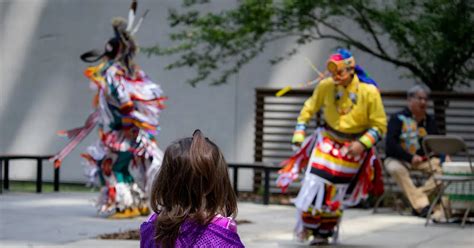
<point>275,118</point>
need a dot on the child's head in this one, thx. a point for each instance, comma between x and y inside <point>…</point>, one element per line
<point>193,183</point>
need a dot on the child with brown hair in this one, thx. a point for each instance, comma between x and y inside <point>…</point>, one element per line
<point>192,198</point>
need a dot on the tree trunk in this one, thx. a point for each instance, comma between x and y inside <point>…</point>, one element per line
<point>440,106</point>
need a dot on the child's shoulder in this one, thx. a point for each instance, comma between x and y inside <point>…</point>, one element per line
<point>225,222</point>
<point>149,222</point>
<point>151,218</point>
<point>147,232</point>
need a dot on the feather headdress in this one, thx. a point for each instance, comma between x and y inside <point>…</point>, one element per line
<point>122,47</point>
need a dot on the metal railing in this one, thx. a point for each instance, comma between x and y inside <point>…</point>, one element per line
<point>5,163</point>
<point>267,168</point>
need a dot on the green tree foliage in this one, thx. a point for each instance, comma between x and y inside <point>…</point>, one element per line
<point>432,39</point>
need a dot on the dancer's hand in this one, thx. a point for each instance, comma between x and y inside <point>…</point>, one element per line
<point>295,146</point>
<point>356,148</point>
<point>298,138</point>
<point>299,134</point>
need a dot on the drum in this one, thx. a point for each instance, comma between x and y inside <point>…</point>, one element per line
<point>461,194</point>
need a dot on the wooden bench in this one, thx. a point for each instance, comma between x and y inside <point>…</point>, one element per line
<point>275,119</point>
<point>5,163</point>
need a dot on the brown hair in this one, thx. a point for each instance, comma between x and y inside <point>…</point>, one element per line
<point>193,183</point>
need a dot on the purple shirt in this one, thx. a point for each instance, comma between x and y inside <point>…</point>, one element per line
<point>221,232</point>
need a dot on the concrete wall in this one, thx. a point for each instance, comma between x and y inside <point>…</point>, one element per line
<point>43,89</point>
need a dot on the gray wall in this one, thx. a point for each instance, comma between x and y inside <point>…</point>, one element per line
<point>43,89</point>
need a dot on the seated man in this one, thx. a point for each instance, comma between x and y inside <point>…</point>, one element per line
<point>406,130</point>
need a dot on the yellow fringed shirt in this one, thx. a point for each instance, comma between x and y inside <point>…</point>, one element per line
<point>342,115</point>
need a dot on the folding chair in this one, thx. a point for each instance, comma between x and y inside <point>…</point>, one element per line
<point>448,145</point>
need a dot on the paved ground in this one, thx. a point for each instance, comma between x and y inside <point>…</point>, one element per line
<point>68,220</point>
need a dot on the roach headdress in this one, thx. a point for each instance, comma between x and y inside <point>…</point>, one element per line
<point>122,47</point>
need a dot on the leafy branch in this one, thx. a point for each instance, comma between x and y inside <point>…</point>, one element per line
<point>432,39</point>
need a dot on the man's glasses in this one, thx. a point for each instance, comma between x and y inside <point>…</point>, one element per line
<point>420,99</point>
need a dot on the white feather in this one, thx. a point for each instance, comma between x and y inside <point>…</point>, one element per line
<point>131,19</point>
<point>139,23</point>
